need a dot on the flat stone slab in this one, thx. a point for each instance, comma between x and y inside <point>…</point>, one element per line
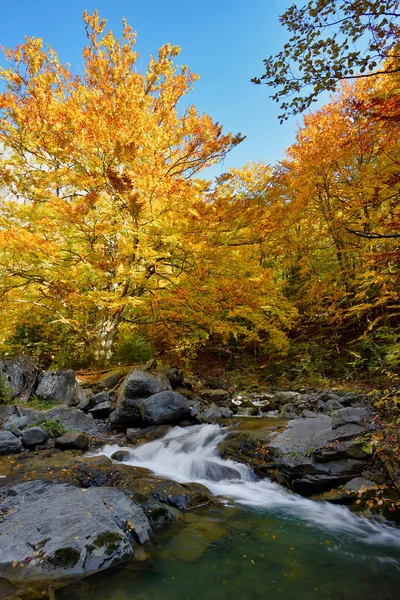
<point>56,530</point>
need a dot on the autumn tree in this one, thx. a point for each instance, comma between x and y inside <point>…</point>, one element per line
<point>331,41</point>
<point>104,226</point>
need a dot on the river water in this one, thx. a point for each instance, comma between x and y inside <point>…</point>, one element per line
<point>265,543</point>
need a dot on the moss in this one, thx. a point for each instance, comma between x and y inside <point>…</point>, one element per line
<point>90,548</point>
<point>65,557</point>
<point>109,539</point>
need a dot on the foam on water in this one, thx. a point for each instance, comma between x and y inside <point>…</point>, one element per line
<point>191,455</point>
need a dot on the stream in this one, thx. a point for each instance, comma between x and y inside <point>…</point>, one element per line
<point>263,542</point>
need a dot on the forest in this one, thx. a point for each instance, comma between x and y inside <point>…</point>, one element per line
<point>115,246</point>
<point>200,369</point>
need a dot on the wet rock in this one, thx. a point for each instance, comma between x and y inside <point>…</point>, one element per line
<point>101,410</point>
<point>59,387</point>
<point>51,529</point>
<point>34,436</point>
<point>9,443</point>
<point>165,407</point>
<point>311,456</point>
<point>137,436</point>
<point>73,440</point>
<point>19,376</point>
<point>157,513</point>
<point>121,455</point>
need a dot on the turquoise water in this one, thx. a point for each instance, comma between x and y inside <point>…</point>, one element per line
<point>241,554</point>
<point>265,543</point>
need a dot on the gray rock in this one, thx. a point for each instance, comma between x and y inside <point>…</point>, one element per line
<point>280,398</point>
<point>357,484</point>
<point>141,384</point>
<point>34,436</point>
<point>60,387</point>
<point>309,414</point>
<point>214,413</point>
<point>99,399</point>
<point>15,424</point>
<point>331,405</point>
<point>73,440</point>
<point>19,376</point>
<point>165,407</point>
<point>101,410</point>
<point>137,386</point>
<point>195,409</point>
<point>70,418</point>
<point>9,443</point>
<point>350,415</point>
<point>121,455</point>
<point>288,411</point>
<point>58,530</point>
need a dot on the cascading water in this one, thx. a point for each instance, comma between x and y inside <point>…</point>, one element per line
<point>191,455</point>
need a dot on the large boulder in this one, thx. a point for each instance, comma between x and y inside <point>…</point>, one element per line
<point>136,387</point>
<point>9,443</point>
<point>34,436</point>
<point>18,377</point>
<point>59,387</point>
<point>55,530</point>
<point>70,418</point>
<point>73,440</point>
<point>316,454</point>
<point>165,407</point>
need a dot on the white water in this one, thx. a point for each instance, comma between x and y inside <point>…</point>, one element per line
<point>191,455</point>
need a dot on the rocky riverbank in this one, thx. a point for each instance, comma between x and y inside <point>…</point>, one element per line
<point>67,514</point>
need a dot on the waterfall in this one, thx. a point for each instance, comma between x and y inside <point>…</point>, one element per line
<point>191,455</point>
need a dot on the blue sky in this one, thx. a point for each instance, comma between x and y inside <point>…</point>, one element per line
<point>224,41</point>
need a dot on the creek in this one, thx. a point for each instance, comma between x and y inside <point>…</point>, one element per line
<point>264,541</point>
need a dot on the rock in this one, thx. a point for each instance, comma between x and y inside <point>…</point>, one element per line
<point>19,376</point>
<point>99,399</point>
<point>213,413</point>
<point>70,418</point>
<point>311,456</point>
<point>331,405</point>
<point>157,513</point>
<point>121,455</point>
<point>216,396</point>
<point>111,379</point>
<point>34,436</point>
<point>139,436</point>
<point>9,443</point>
<point>350,415</point>
<point>288,411</point>
<point>137,386</point>
<point>59,387</point>
<point>165,407</point>
<point>309,414</point>
<point>141,384</point>
<point>280,398</point>
<point>15,424</point>
<point>358,484</point>
<point>175,377</point>
<point>55,530</point>
<point>73,440</point>
<point>102,410</point>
